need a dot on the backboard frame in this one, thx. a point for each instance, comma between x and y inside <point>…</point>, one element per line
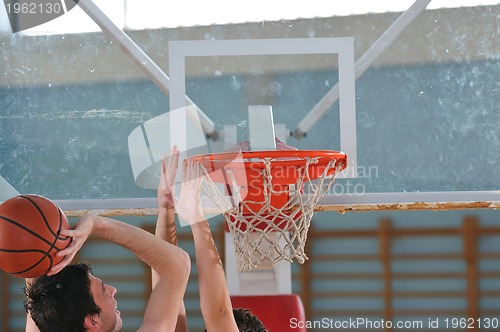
<point>342,46</point>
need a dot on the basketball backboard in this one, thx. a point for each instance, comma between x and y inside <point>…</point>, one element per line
<point>419,121</point>
<point>399,159</point>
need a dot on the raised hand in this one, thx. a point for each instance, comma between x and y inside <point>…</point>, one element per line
<point>189,207</point>
<point>79,235</point>
<point>166,187</point>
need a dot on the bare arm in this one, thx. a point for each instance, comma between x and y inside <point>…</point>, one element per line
<point>215,301</point>
<point>170,262</point>
<point>165,227</point>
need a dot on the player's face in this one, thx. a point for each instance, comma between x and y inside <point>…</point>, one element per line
<point>104,297</point>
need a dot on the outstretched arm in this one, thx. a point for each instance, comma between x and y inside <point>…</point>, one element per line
<point>215,302</point>
<point>165,225</point>
<point>170,262</point>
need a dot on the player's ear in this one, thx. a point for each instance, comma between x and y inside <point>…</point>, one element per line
<point>91,323</point>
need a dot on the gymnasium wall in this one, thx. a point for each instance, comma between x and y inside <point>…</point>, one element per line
<point>401,266</point>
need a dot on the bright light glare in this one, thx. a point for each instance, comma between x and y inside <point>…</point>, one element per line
<point>151,14</point>
<point>76,21</point>
<point>202,12</point>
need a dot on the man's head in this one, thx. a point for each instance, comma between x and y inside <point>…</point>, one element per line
<point>72,300</point>
<point>247,322</point>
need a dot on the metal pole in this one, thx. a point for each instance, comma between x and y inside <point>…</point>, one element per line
<point>142,59</point>
<point>361,65</point>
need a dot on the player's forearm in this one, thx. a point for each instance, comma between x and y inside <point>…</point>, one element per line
<point>165,230</point>
<point>214,297</point>
<point>165,258</point>
<point>165,225</point>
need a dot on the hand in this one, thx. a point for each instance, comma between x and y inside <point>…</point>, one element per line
<point>166,187</point>
<point>188,206</point>
<point>79,235</point>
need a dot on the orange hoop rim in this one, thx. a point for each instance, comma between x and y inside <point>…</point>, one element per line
<point>256,159</point>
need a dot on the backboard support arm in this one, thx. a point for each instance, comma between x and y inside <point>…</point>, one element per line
<point>142,59</point>
<point>380,45</point>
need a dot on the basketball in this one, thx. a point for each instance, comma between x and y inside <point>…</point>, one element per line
<point>29,235</point>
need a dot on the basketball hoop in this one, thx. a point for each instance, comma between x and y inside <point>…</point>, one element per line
<point>269,198</point>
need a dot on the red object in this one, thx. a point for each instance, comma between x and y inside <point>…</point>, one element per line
<point>29,235</point>
<point>279,313</point>
<point>286,168</point>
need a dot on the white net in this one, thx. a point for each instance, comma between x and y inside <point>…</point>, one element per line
<point>272,233</point>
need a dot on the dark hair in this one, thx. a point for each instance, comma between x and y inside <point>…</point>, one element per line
<point>247,322</point>
<point>60,303</point>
